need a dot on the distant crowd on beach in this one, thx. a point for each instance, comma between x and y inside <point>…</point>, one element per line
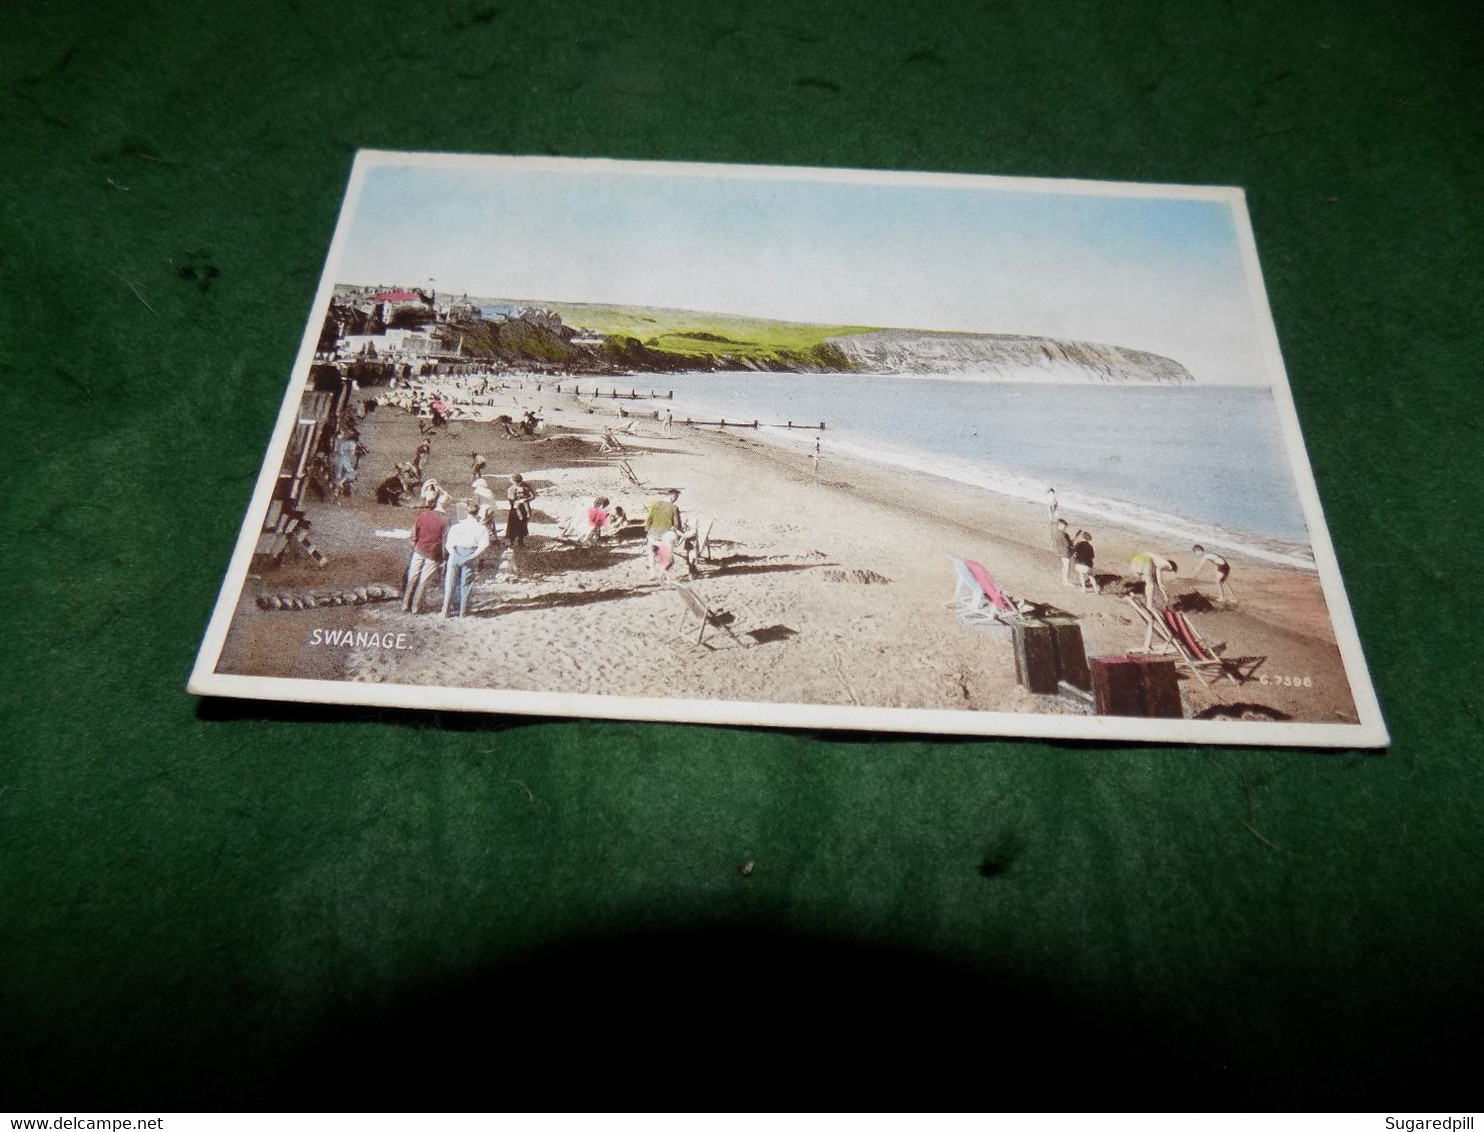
<point>456,527</point>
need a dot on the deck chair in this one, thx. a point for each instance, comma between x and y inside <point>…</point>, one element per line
<point>611,443</point>
<point>1176,635</point>
<point>628,473</point>
<point>1201,653</point>
<point>709,618</point>
<point>703,544</point>
<point>977,599</point>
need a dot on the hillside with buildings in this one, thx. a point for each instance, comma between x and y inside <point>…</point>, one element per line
<point>381,332</point>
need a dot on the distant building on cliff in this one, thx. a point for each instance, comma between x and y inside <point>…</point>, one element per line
<point>393,301</point>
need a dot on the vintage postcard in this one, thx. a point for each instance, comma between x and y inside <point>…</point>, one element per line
<point>793,447</point>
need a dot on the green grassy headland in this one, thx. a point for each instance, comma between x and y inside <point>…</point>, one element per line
<point>707,336</point>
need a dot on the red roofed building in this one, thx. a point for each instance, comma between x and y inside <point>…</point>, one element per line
<point>391,302</point>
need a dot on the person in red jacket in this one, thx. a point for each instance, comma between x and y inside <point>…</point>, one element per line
<point>428,533</point>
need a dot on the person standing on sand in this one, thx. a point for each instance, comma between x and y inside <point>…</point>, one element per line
<point>486,500</point>
<point>347,449</point>
<point>662,514</point>
<point>1061,544</point>
<point>1082,559</point>
<point>479,463</point>
<point>1052,504</point>
<point>428,533</point>
<point>467,539</point>
<point>1223,571</point>
<point>424,450</point>
<point>1151,569</point>
<point>661,518</point>
<point>517,520</point>
<point>669,422</point>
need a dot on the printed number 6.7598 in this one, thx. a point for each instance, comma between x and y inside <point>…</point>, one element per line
<point>1286,681</point>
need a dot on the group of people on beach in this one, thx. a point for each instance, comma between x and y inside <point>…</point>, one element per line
<point>1075,552</point>
<point>457,399</point>
<point>1150,568</point>
<point>670,541</point>
<point>454,535</point>
<point>456,542</point>
<point>454,546</point>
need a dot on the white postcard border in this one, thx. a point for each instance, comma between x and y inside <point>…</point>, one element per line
<point>1368,732</point>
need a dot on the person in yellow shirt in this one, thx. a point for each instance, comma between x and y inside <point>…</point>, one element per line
<point>662,527</point>
<point>1151,568</point>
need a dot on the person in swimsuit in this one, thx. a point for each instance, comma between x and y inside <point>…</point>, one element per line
<point>1222,567</point>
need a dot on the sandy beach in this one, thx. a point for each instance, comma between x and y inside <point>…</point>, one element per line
<point>838,583</point>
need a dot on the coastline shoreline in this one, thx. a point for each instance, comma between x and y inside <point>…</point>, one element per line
<point>843,581</point>
<point>1158,522</point>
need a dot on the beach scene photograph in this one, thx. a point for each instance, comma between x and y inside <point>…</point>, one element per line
<point>793,447</point>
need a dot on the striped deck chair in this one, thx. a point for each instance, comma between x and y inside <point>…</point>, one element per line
<point>1155,628</point>
<point>977,600</point>
<point>1197,653</point>
<point>1176,635</point>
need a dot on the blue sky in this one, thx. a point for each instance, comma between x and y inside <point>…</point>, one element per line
<point>1150,273</point>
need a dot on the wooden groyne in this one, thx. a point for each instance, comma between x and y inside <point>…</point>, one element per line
<point>724,423</point>
<point>619,394</point>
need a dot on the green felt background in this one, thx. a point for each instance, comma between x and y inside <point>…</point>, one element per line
<point>219,904</point>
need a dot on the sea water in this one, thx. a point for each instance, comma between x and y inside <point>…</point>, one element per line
<point>1186,463</point>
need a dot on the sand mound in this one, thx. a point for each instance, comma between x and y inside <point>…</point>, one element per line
<point>565,445</point>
